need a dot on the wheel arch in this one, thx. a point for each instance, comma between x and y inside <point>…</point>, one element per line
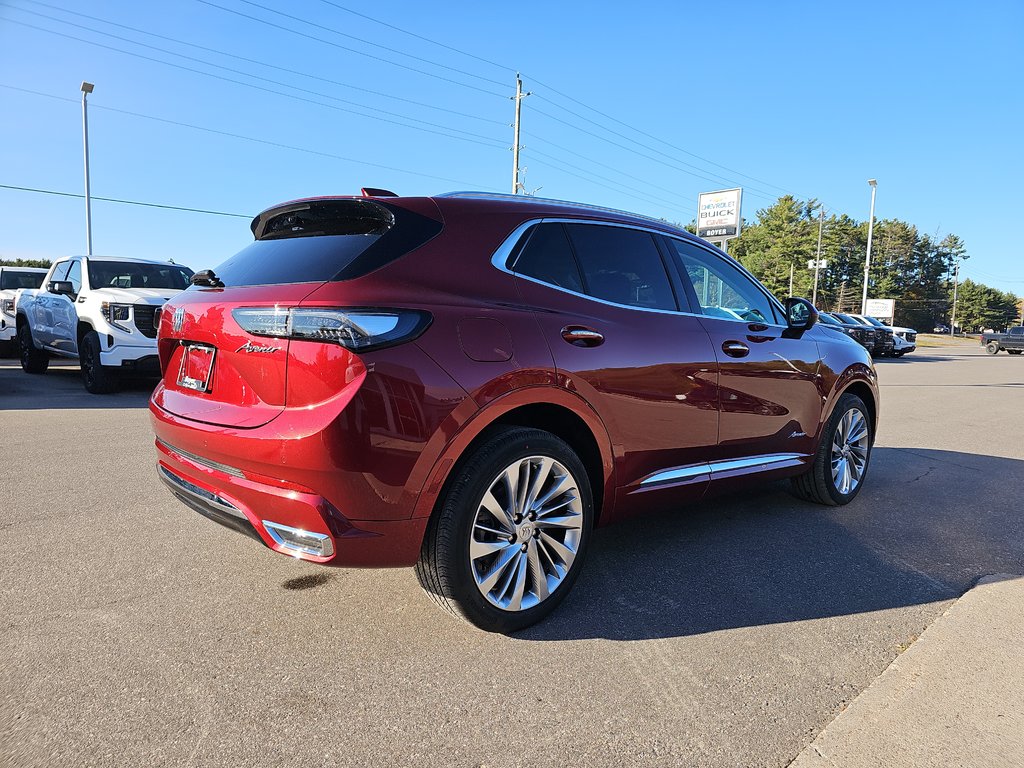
<point>868,394</point>
<point>551,409</point>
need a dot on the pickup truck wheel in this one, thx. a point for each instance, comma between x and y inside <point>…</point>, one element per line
<point>509,538</point>
<point>841,461</point>
<point>98,379</point>
<point>32,360</point>
<point>992,347</point>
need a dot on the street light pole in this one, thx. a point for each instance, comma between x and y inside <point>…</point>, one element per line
<point>956,285</point>
<point>867,260</point>
<point>817,260</point>
<point>86,90</point>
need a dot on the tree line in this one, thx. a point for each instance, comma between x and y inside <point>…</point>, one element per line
<point>912,267</point>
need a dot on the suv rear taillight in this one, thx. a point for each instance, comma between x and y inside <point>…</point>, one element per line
<point>360,330</point>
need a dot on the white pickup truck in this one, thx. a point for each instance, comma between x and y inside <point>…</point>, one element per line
<point>13,279</point>
<point>102,310</point>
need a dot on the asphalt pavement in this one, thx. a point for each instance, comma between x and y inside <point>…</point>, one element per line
<point>134,632</point>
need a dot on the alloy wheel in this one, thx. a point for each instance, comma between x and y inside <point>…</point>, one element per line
<point>850,451</point>
<point>526,533</point>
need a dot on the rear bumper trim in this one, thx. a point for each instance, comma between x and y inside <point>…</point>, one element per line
<point>209,505</point>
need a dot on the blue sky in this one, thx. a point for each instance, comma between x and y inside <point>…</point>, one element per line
<point>774,97</point>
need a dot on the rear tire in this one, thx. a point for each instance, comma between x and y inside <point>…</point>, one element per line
<point>32,360</point>
<point>846,443</point>
<point>992,347</point>
<point>98,378</point>
<point>507,570</point>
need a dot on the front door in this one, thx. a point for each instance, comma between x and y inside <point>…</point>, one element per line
<point>768,375</point>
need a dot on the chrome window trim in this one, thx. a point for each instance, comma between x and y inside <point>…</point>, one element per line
<point>754,464</point>
<point>504,251</point>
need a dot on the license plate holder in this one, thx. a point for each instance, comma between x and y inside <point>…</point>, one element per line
<point>196,371</point>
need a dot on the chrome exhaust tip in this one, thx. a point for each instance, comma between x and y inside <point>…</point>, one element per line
<point>298,541</point>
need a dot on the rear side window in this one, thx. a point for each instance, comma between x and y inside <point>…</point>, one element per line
<point>622,265</point>
<point>319,241</point>
<point>11,279</point>
<point>59,272</point>
<point>548,257</point>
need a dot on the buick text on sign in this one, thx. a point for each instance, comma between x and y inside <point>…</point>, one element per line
<point>718,214</point>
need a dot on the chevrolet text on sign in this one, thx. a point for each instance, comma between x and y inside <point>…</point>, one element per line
<point>718,214</point>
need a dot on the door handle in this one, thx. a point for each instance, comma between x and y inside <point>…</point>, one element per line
<point>735,348</point>
<point>579,336</point>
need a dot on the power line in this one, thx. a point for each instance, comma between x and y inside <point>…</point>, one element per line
<point>418,37</point>
<point>125,202</point>
<point>560,93</point>
<point>253,61</point>
<point>344,47</point>
<point>486,141</point>
<point>255,77</point>
<point>369,42</point>
<point>253,139</point>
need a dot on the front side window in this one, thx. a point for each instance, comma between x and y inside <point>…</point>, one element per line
<point>722,290</point>
<point>548,257</point>
<point>622,266</point>
<point>75,276</point>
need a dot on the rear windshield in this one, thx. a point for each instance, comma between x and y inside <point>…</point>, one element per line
<point>13,279</point>
<point>330,240</point>
<point>127,274</point>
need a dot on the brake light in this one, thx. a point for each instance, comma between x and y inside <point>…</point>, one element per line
<point>356,329</point>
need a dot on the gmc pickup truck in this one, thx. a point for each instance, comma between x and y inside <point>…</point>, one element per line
<point>101,310</point>
<point>12,279</point>
<point>1012,341</point>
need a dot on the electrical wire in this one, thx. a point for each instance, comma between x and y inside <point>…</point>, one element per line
<point>559,93</point>
<point>219,52</point>
<point>125,202</point>
<point>474,138</point>
<point>345,47</point>
<point>253,139</point>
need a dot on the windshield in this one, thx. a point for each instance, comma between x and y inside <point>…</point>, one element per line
<point>875,322</point>
<point>827,319</point>
<point>13,279</point>
<point>845,319</point>
<point>129,274</point>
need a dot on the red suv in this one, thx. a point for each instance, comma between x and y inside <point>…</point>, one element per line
<point>471,383</point>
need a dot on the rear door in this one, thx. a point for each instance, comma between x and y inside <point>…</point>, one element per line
<point>768,394</point>
<point>608,310</point>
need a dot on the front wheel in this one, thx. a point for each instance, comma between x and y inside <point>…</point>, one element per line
<point>992,347</point>
<point>98,378</point>
<point>841,461</point>
<point>32,360</point>
<point>509,539</point>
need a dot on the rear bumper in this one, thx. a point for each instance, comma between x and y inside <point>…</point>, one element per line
<point>284,517</point>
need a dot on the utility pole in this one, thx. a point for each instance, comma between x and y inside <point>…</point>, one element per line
<point>516,186</point>
<point>842,296</point>
<point>867,260</point>
<point>791,278</point>
<point>86,90</point>
<point>817,261</point>
<point>956,285</point>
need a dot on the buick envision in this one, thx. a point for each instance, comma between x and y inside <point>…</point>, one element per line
<point>471,383</point>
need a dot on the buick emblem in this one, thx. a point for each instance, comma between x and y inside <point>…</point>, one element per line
<point>178,319</point>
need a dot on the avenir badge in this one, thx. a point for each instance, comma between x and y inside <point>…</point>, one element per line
<point>250,347</point>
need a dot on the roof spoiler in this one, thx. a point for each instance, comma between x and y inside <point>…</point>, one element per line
<point>374,192</point>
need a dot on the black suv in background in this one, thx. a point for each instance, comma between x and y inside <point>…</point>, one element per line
<point>865,336</point>
<point>882,343</point>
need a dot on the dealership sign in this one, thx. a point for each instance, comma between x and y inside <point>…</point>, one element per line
<point>718,214</point>
<point>880,308</point>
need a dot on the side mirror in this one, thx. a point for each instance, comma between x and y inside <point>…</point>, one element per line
<point>800,314</point>
<point>61,287</point>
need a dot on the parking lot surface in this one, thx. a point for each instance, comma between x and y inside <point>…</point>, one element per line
<point>134,632</point>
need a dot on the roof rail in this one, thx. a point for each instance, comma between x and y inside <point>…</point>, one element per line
<point>532,199</point>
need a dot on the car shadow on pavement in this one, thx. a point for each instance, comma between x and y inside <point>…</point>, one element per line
<point>927,524</point>
<point>912,358</point>
<point>61,388</point>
